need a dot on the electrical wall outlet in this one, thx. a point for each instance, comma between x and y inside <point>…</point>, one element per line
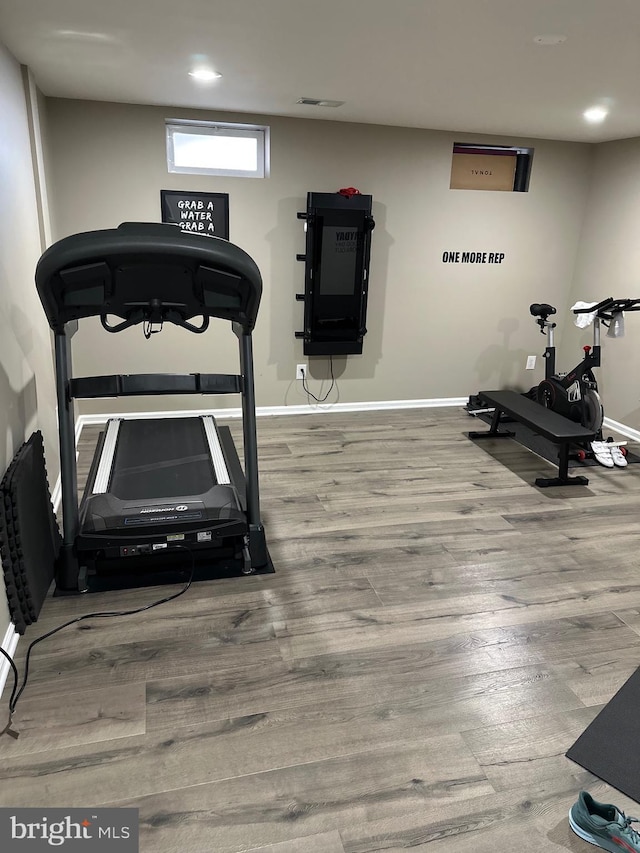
<point>301,371</point>
<point>531,362</point>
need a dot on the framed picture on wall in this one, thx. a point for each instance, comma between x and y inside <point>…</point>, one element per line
<point>198,213</point>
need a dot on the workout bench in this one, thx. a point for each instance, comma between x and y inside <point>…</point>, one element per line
<point>542,421</point>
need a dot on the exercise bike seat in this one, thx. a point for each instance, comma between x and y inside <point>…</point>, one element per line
<point>541,310</point>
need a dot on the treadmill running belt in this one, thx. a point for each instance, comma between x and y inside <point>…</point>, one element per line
<point>163,458</point>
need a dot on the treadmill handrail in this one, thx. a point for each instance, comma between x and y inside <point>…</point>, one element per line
<point>142,384</point>
<point>147,272</point>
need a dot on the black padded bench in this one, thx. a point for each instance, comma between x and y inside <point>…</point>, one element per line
<point>544,422</point>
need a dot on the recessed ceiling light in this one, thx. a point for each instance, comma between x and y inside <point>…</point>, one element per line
<point>205,75</point>
<point>549,40</point>
<point>594,115</point>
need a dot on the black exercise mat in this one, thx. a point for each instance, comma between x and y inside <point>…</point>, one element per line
<point>29,536</point>
<point>608,748</point>
<point>546,449</point>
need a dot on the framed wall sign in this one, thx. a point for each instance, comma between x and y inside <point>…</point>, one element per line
<point>199,213</point>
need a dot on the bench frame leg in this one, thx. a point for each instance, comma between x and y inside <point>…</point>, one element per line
<point>563,478</point>
<point>493,432</point>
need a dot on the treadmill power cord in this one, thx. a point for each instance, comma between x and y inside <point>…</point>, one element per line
<point>16,694</point>
<point>309,393</point>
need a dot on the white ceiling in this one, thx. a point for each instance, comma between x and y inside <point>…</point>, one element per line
<point>460,65</point>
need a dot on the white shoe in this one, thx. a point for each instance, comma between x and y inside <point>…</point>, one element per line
<point>618,456</point>
<point>602,453</point>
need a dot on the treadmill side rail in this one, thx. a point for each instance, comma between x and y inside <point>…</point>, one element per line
<point>103,475</point>
<point>217,457</point>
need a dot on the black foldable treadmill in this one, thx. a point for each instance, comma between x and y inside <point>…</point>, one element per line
<point>156,487</point>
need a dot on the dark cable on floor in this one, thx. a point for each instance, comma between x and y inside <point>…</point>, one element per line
<point>16,694</point>
<point>310,394</point>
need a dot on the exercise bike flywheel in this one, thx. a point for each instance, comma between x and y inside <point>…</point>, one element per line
<point>587,411</point>
<point>546,394</point>
<point>593,411</point>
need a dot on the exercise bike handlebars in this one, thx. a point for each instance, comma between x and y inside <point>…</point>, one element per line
<point>598,308</point>
<point>614,306</point>
<point>608,307</point>
<point>604,309</point>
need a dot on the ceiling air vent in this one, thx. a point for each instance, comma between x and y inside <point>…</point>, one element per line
<point>319,102</point>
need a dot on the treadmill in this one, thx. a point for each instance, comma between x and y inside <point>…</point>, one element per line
<point>158,490</point>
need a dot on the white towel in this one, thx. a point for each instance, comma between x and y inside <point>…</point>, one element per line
<point>586,319</point>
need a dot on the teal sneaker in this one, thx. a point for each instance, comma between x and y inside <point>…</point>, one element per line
<point>603,825</point>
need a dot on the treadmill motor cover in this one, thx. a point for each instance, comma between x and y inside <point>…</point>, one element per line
<point>104,513</point>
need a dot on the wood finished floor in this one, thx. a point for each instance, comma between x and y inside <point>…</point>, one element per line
<point>437,634</point>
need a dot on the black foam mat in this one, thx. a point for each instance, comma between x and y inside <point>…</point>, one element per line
<point>21,607</point>
<point>29,536</point>
<point>608,747</point>
<point>546,449</point>
<point>28,532</point>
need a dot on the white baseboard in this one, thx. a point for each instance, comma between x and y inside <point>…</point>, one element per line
<point>9,644</point>
<point>270,411</point>
<point>623,429</point>
<point>56,494</point>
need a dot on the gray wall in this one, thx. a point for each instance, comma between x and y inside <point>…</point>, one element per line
<point>27,391</point>
<point>435,330</point>
<point>609,265</point>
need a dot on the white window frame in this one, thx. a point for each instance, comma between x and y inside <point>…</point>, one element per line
<point>209,128</point>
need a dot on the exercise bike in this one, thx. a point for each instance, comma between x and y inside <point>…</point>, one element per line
<point>574,394</point>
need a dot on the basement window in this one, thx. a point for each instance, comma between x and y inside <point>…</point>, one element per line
<point>216,148</point>
<point>490,167</point>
